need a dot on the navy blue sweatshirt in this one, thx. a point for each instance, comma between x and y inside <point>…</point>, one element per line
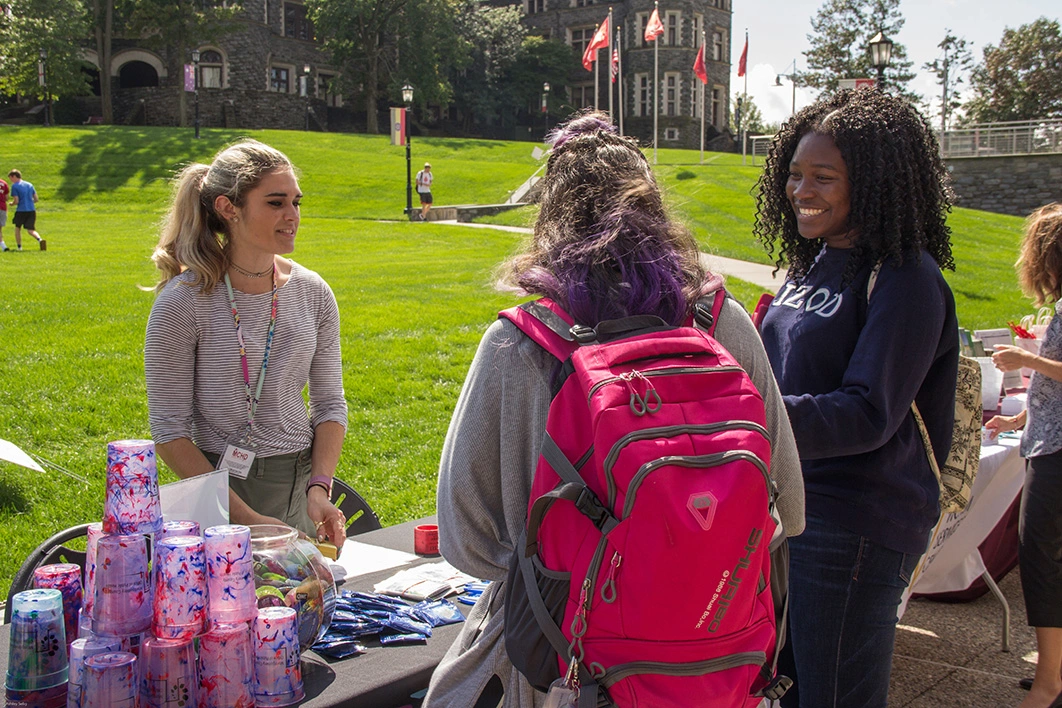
<point>848,371</point>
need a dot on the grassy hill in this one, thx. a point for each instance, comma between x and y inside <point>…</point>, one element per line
<point>414,298</point>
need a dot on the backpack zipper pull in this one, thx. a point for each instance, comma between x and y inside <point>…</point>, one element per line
<point>637,403</point>
<point>608,590</point>
<point>650,394</point>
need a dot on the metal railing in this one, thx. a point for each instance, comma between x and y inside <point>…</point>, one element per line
<point>1027,137</point>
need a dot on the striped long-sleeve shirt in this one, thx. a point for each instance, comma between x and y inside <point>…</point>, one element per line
<point>195,383</point>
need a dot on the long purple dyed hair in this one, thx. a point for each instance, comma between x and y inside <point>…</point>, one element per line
<point>603,246</point>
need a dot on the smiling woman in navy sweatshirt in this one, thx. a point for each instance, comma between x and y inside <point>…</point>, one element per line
<point>853,182</point>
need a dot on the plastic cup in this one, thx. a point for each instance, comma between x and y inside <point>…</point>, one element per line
<point>37,657</point>
<point>230,574</point>
<point>226,667</point>
<point>54,697</point>
<point>81,649</point>
<point>109,681</point>
<point>179,527</point>
<point>426,539</point>
<point>168,673</point>
<point>277,673</point>
<point>66,578</point>
<point>92,537</point>
<point>132,501</point>
<point>122,604</point>
<point>179,607</point>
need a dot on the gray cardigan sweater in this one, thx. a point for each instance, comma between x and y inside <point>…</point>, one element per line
<point>488,460</point>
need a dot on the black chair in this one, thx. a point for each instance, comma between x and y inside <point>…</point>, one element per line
<point>51,551</point>
<point>360,516</point>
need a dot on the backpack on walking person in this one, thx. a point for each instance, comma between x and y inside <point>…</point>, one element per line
<point>644,573</point>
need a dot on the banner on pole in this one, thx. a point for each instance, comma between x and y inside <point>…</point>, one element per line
<point>189,78</point>
<point>398,126</point>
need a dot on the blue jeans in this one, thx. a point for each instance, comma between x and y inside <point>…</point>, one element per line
<point>844,590</point>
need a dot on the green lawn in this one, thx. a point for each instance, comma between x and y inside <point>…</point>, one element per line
<point>414,298</point>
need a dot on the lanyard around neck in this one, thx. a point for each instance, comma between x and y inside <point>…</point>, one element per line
<point>252,400</point>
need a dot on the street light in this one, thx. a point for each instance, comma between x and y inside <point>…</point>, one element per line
<point>407,98</point>
<point>306,91</point>
<point>793,80</point>
<point>545,103</point>
<point>880,54</point>
<point>195,88</point>
<point>43,77</point>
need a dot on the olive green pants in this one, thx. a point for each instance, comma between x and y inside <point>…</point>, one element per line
<point>276,486</point>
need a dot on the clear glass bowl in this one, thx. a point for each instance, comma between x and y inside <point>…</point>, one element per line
<point>291,572</point>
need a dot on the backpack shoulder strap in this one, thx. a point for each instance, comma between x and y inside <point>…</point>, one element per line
<point>706,311</point>
<point>546,324</point>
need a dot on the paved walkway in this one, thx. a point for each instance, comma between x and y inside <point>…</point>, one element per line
<point>755,273</point>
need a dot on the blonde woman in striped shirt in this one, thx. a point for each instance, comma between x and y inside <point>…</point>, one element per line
<point>236,333</point>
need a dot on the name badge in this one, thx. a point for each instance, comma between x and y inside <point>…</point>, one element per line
<point>238,457</point>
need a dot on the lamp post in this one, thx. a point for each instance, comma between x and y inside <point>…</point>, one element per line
<point>545,103</point>
<point>793,80</point>
<point>195,88</point>
<point>306,91</point>
<point>407,98</point>
<point>42,76</point>
<point>880,54</point>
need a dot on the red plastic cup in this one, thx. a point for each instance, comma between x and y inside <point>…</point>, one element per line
<point>426,539</point>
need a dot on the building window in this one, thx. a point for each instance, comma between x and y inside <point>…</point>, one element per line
<point>580,38</point>
<point>672,28</point>
<point>210,66</point>
<point>717,107</point>
<point>296,23</point>
<point>583,3</point>
<point>535,6</point>
<point>641,20</point>
<point>325,92</point>
<point>698,28</point>
<point>642,99</point>
<point>671,133</point>
<point>717,45</point>
<point>671,93</point>
<point>582,96</point>
<point>280,79</point>
<point>695,97</point>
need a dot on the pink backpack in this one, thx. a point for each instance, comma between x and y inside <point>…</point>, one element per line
<point>643,576</point>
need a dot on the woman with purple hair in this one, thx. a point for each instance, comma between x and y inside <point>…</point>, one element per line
<point>603,248</point>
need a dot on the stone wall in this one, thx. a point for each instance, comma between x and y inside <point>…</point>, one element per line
<point>1007,185</point>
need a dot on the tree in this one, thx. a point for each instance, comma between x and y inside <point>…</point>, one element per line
<point>1021,79</point>
<point>949,70</point>
<point>751,118</point>
<point>842,30</point>
<point>539,61</point>
<point>178,27</point>
<point>102,20</point>
<point>55,26</point>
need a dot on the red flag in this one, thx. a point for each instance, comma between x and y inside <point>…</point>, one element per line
<point>744,57</point>
<point>615,64</point>
<point>655,27</point>
<point>599,40</point>
<point>698,66</point>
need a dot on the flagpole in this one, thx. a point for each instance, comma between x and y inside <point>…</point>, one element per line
<point>704,87</point>
<point>745,93</point>
<point>619,77</point>
<point>597,95</point>
<point>656,82</point>
<point>610,67</point>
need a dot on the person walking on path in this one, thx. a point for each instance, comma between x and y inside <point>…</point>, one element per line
<point>24,198</point>
<point>1040,526</point>
<point>4,191</point>
<point>424,180</point>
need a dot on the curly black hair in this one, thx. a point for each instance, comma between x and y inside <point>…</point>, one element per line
<point>900,192</point>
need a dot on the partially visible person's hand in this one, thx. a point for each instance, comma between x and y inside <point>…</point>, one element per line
<point>330,521</point>
<point>1002,424</point>
<point>1009,358</point>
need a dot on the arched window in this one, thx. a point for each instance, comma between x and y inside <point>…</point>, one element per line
<point>210,69</point>
<point>137,74</point>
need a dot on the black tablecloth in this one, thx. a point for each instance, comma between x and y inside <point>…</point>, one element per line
<point>384,677</point>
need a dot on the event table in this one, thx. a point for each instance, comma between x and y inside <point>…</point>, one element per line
<point>383,677</point>
<point>952,561</point>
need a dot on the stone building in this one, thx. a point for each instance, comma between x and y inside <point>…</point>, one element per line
<point>682,95</point>
<point>268,72</point>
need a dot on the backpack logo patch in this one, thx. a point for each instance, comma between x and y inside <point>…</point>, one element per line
<point>702,506</point>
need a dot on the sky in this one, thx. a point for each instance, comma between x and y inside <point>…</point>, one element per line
<point>778,32</point>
